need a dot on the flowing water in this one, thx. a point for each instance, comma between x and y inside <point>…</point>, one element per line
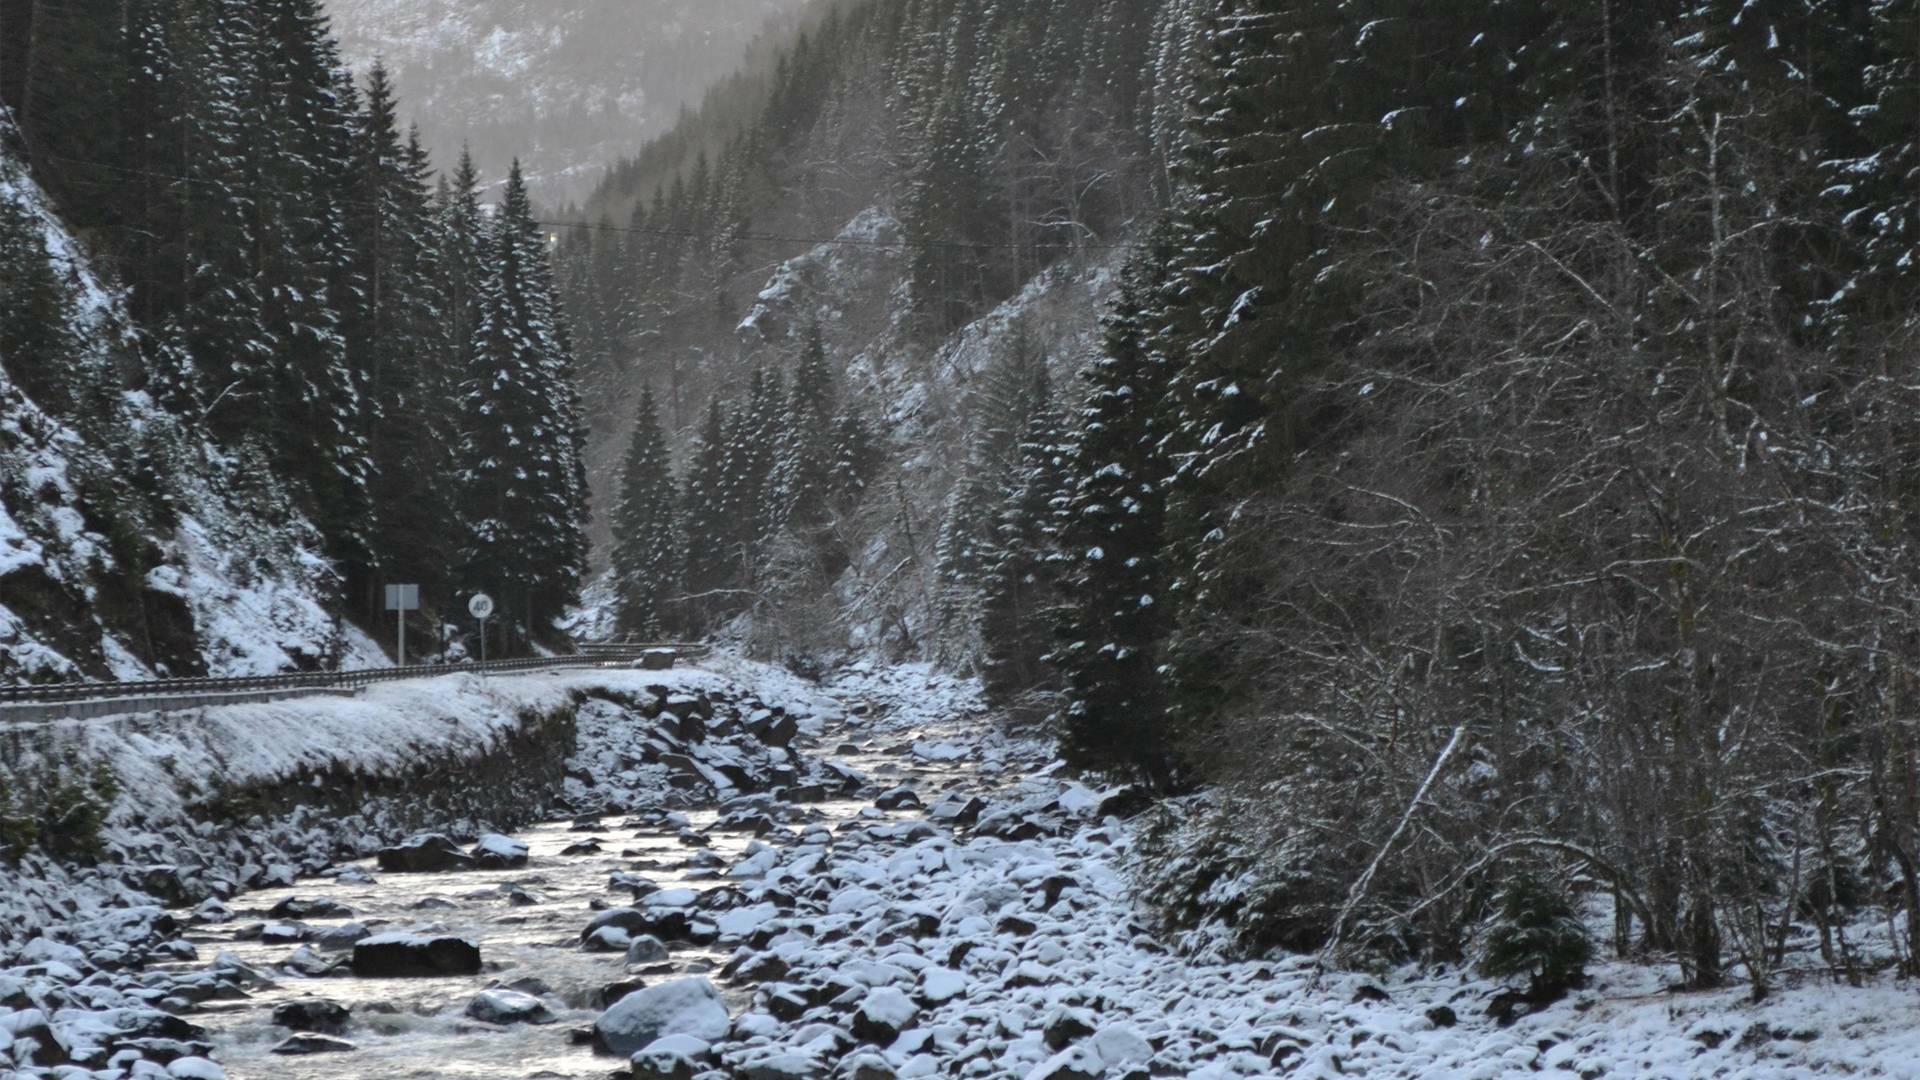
<point>417,1027</point>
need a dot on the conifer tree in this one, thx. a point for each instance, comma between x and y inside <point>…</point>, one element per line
<point>461,235</point>
<point>1112,576</point>
<point>520,471</point>
<point>856,454</point>
<point>36,341</point>
<point>807,457</point>
<point>1019,592</point>
<point>394,336</point>
<point>646,548</point>
<point>708,562</point>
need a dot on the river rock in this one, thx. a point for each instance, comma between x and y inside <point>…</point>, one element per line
<point>1067,1026</point>
<point>646,949</point>
<point>344,936</point>
<point>957,810</point>
<point>682,1007</point>
<point>673,1057</point>
<point>312,1014</point>
<point>296,907</point>
<point>773,727</point>
<point>884,1014</point>
<point>313,1044</point>
<point>900,798</point>
<point>400,955</point>
<point>428,853</point>
<point>508,1007</point>
<point>497,852</point>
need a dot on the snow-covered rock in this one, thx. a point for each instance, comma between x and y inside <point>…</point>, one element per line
<point>497,852</point>
<point>400,954</point>
<point>507,1007</point>
<point>682,1007</point>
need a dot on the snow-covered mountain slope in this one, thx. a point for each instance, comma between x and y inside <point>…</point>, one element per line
<point>130,547</point>
<point>569,86</point>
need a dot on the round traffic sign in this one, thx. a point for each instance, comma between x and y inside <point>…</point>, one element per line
<point>480,606</point>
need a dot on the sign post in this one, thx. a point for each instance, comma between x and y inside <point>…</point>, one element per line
<point>400,600</point>
<point>480,606</point>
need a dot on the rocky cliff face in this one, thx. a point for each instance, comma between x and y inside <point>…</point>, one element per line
<point>129,546</point>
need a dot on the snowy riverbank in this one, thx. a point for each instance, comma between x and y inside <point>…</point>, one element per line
<point>956,907</point>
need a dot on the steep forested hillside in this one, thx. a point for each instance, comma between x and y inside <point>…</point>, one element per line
<point>1486,487</point>
<point>912,183</point>
<point>566,85</point>
<point>243,323</point>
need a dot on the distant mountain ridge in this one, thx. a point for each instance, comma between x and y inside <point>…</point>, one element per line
<point>571,85</point>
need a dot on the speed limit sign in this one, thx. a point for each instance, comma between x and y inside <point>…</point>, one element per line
<point>480,606</point>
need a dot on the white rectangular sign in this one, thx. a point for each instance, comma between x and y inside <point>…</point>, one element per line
<point>403,598</point>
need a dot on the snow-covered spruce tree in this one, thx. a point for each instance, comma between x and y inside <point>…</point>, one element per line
<point>1111,578</point>
<point>962,554</point>
<point>396,326</point>
<point>808,453</point>
<point>707,565</point>
<point>1536,934</point>
<point>646,551</point>
<point>36,338</point>
<point>306,273</point>
<point>856,455</point>
<point>767,432</point>
<point>460,232</point>
<point>521,495</point>
<point>1018,607</point>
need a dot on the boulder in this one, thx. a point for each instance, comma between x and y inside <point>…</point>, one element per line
<point>313,1044</point>
<point>603,998</point>
<point>500,1006</point>
<point>674,1057</point>
<point>782,1065</point>
<point>1066,1026</point>
<point>497,852</point>
<point>1123,802</point>
<point>428,853</point>
<point>402,955</point>
<point>866,1065</point>
<point>900,798</point>
<point>941,984</point>
<point>344,936</point>
<point>295,908</point>
<point>883,1015</point>
<point>773,727</point>
<point>683,1007</point>
<point>285,933</point>
<point>312,1014</point>
<point>1119,1045</point>
<point>957,810</point>
<point>646,949</point>
<point>1074,1063</point>
<point>656,659</point>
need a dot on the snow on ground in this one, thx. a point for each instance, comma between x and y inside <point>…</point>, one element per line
<point>1030,955</point>
<point>169,765</point>
<point>244,567</point>
<point>996,933</point>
